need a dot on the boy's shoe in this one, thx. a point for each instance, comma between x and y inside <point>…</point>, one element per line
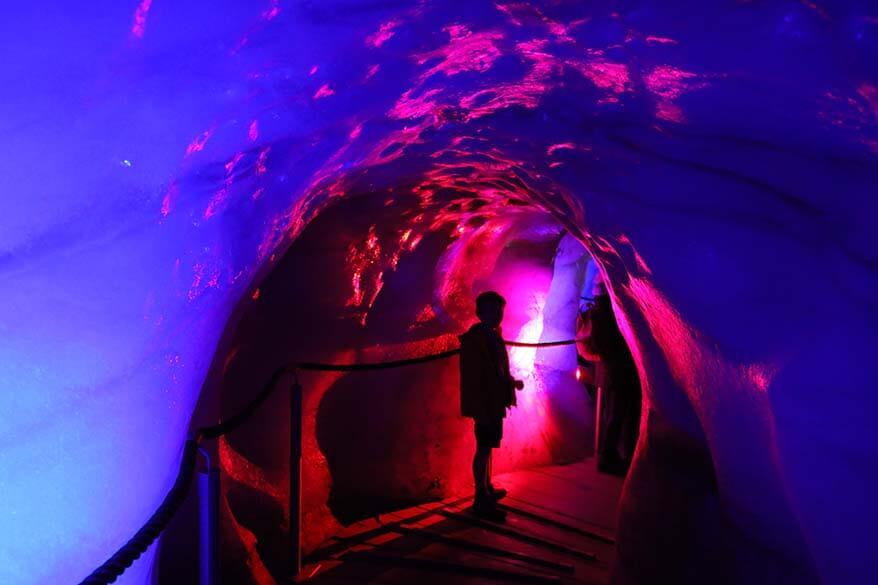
<point>484,507</point>
<point>496,493</point>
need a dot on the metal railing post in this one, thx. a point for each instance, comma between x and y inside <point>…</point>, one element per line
<point>597,424</point>
<point>296,477</point>
<point>208,498</point>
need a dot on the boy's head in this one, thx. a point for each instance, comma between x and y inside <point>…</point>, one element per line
<point>489,308</point>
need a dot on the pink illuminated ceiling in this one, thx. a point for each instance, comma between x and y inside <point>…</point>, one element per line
<point>437,120</point>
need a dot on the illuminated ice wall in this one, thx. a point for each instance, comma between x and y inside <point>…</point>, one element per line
<point>719,160</point>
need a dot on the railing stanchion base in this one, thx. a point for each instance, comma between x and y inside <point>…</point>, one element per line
<point>296,478</point>
<point>208,537</point>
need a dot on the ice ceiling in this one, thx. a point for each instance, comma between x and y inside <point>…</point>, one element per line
<point>719,160</point>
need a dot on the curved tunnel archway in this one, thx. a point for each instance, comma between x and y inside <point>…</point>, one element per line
<point>361,284</point>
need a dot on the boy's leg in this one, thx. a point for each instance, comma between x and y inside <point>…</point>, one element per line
<point>480,469</point>
<point>481,457</point>
<point>496,493</point>
<point>487,437</point>
<point>490,471</point>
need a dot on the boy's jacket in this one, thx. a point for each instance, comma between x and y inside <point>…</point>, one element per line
<point>486,387</point>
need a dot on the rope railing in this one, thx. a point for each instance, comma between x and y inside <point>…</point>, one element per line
<point>377,365</point>
<point>132,550</point>
<point>138,544</point>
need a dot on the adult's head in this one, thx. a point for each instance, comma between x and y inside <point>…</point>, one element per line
<point>489,308</point>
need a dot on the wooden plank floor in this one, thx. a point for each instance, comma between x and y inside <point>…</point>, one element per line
<point>559,529</point>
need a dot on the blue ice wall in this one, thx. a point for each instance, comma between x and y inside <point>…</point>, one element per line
<point>156,155</point>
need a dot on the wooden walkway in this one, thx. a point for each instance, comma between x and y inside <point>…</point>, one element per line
<point>559,529</point>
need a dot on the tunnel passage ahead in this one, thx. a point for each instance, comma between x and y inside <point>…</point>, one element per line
<point>360,285</point>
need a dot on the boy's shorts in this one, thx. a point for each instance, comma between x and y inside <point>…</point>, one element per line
<point>489,432</point>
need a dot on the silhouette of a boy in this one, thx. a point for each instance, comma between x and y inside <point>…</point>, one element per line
<point>487,389</point>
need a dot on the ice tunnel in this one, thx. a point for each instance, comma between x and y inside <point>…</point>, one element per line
<point>195,192</point>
